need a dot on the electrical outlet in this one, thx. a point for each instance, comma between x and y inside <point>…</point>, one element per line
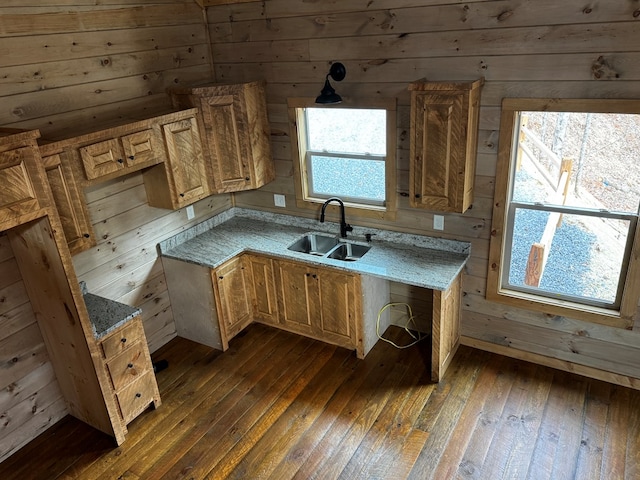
<point>279,200</point>
<point>190,213</point>
<point>438,222</point>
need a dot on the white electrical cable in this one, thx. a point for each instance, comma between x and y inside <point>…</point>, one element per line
<point>410,320</point>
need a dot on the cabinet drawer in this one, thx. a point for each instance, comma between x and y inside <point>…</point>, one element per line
<point>102,158</point>
<point>128,366</point>
<point>117,343</point>
<point>136,397</point>
<point>141,147</point>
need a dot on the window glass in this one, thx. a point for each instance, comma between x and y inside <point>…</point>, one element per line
<point>345,154</point>
<point>347,130</point>
<point>574,201</point>
<point>347,178</point>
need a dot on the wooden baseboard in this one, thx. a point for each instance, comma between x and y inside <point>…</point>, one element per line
<point>567,366</point>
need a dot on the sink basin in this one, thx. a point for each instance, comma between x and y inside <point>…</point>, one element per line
<point>348,252</point>
<point>314,244</point>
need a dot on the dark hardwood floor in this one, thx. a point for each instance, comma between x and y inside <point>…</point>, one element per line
<point>280,406</point>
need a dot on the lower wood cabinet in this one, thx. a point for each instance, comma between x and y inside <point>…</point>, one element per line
<point>321,303</point>
<point>324,303</point>
<point>232,290</point>
<point>263,288</point>
<point>445,328</point>
<point>128,363</point>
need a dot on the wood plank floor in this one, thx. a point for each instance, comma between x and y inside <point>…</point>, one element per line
<point>280,406</point>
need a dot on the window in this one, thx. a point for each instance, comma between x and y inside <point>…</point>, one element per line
<point>565,226</point>
<point>345,151</point>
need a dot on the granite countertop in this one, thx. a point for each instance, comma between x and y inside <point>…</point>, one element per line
<point>411,259</point>
<point>105,314</point>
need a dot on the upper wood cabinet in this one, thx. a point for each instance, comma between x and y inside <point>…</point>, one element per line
<point>182,179</point>
<point>444,137</point>
<point>123,153</point>
<point>20,195</point>
<point>69,202</point>
<point>236,133</point>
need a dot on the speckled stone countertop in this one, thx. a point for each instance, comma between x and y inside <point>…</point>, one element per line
<point>412,259</point>
<point>105,314</point>
<point>418,260</point>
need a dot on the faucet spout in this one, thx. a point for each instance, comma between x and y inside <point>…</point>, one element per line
<point>344,226</point>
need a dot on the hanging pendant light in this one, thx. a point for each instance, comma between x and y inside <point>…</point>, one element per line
<point>328,95</point>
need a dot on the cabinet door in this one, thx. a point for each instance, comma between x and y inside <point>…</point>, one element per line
<point>141,147</point>
<point>444,137</point>
<point>445,328</point>
<point>227,135</point>
<point>102,158</point>
<point>186,171</point>
<point>263,289</point>
<point>232,291</point>
<point>438,165</point>
<point>339,305</point>
<point>298,299</point>
<point>17,195</point>
<point>70,204</point>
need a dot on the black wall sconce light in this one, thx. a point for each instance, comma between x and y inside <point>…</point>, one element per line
<point>328,94</point>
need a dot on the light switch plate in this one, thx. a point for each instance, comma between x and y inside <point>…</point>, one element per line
<point>190,213</point>
<point>279,200</point>
<point>438,222</point>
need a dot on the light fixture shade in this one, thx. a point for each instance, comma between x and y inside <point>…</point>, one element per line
<point>328,95</point>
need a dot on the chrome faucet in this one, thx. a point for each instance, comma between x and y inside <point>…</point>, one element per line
<point>344,226</point>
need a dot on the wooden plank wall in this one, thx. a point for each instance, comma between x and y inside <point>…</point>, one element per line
<point>541,48</point>
<point>71,66</point>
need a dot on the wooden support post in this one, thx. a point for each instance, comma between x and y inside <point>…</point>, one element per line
<point>566,166</point>
<point>524,120</point>
<point>535,265</point>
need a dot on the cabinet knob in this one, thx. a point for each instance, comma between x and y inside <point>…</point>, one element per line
<point>417,195</point>
<point>86,235</point>
<point>120,160</point>
<point>138,395</point>
<point>182,194</point>
<point>247,178</point>
<point>220,277</point>
<point>123,340</point>
<point>314,276</point>
<point>130,365</point>
<point>131,157</point>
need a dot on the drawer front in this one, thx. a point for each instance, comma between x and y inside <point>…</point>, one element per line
<point>102,158</point>
<point>136,397</point>
<point>17,194</point>
<point>128,366</point>
<point>141,147</point>
<point>118,342</point>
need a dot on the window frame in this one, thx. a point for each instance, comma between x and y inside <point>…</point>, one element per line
<point>301,158</point>
<point>619,317</point>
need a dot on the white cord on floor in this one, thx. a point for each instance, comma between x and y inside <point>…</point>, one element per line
<point>410,320</point>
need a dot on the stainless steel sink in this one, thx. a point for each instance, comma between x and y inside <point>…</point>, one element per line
<point>314,244</point>
<point>348,252</point>
<point>329,247</point>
